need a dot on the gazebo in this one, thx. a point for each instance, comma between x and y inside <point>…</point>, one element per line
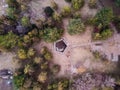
<point>60,45</point>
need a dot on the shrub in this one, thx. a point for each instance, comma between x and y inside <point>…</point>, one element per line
<point>92,3</point>
<point>22,54</point>
<point>25,21</point>
<point>75,27</point>
<point>105,34</point>
<point>18,80</point>
<point>77,4</point>
<point>66,11</point>
<point>57,17</point>
<point>42,77</point>
<point>51,34</point>
<point>38,60</point>
<point>11,12</point>
<point>76,15</point>
<point>117,2</point>
<point>48,56</point>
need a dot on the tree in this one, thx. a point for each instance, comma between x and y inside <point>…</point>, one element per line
<point>9,40</point>
<point>42,77</point>
<point>48,11</point>
<point>48,55</point>
<point>22,54</point>
<point>30,53</point>
<point>75,26</point>
<point>92,3</point>
<point>18,80</point>
<point>104,17</point>
<point>117,2</point>
<point>38,60</point>
<point>11,12</point>
<point>28,69</point>
<point>54,5</point>
<point>51,34</point>
<point>77,4</point>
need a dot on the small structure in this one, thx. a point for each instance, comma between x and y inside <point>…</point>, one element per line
<point>60,45</point>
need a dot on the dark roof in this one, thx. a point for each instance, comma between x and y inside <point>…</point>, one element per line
<point>60,46</point>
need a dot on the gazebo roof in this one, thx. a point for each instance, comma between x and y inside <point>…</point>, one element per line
<point>60,46</point>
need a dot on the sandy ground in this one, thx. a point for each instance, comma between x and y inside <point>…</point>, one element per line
<point>3,7</point>
<point>7,61</point>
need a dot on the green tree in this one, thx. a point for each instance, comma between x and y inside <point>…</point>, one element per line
<point>18,80</point>
<point>117,2</point>
<point>75,26</point>
<point>77,4</point>
<point>22,54</point>
<point>38,60</point>
<point>11,12</point>
<point>104,16</point>
<point>42,77</point>
<point>51,34</point>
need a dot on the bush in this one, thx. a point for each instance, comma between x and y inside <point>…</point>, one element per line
<point>42,77</point>
<point>75,27</point>
<point>77,4</point>
<point>22,54</point>
<point>46,53</point>
<point>92,3</point>
<point>9,40</point>
<point>55,68</point>
<point>51,34</point>
<point>57,17</point>
<point>117,3</point>
<point>11,12</point>
<point>25,21</point>
<point>30,53</point>
<point>18,81</point>
<point>54,5</point>
<point>48,56</point>
<point>76,15</point>
<point>38,60</point>
<point>105,34</point>
<point>66,11</point>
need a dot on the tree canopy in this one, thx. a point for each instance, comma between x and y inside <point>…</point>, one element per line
<point>51,34</point>
<point>75,26</point>
<point>104,16</point>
